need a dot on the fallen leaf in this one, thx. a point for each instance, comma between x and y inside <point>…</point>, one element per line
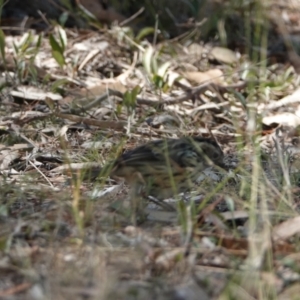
<point>34,94</point>
<point>289,119</point>
<point>224,55</point>
<point>213,75</point>
<point>286,229</point>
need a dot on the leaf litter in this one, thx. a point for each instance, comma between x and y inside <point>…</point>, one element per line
<point>63,236</point>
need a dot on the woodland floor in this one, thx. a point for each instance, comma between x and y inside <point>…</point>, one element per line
<point>73,98</point>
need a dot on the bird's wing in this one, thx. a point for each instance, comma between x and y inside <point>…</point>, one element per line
<point>152,152</point>
<point>173,152</point>
<point>184,153</point>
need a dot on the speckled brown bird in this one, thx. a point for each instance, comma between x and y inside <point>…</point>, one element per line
<point>163,168</point>
<point>166,167</point>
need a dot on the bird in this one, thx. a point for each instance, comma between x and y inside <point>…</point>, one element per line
<point>165,167</point>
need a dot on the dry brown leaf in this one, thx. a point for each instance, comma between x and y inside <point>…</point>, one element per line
<point>290,99</point>
<point>16,147</point>
<point>286,229</point>
<point>67,168</point>
<point>213,75</point>
<point>34,94</point>
<point>234,215</point>
<point>286,118</point>
<point>224,55</point>
<point>196,49</point>
<point>83,96</point>
<point>6,157</point>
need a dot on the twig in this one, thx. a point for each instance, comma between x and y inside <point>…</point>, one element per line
<point>118,125</point>
<point>187,95</point>
<point>32,164</point>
